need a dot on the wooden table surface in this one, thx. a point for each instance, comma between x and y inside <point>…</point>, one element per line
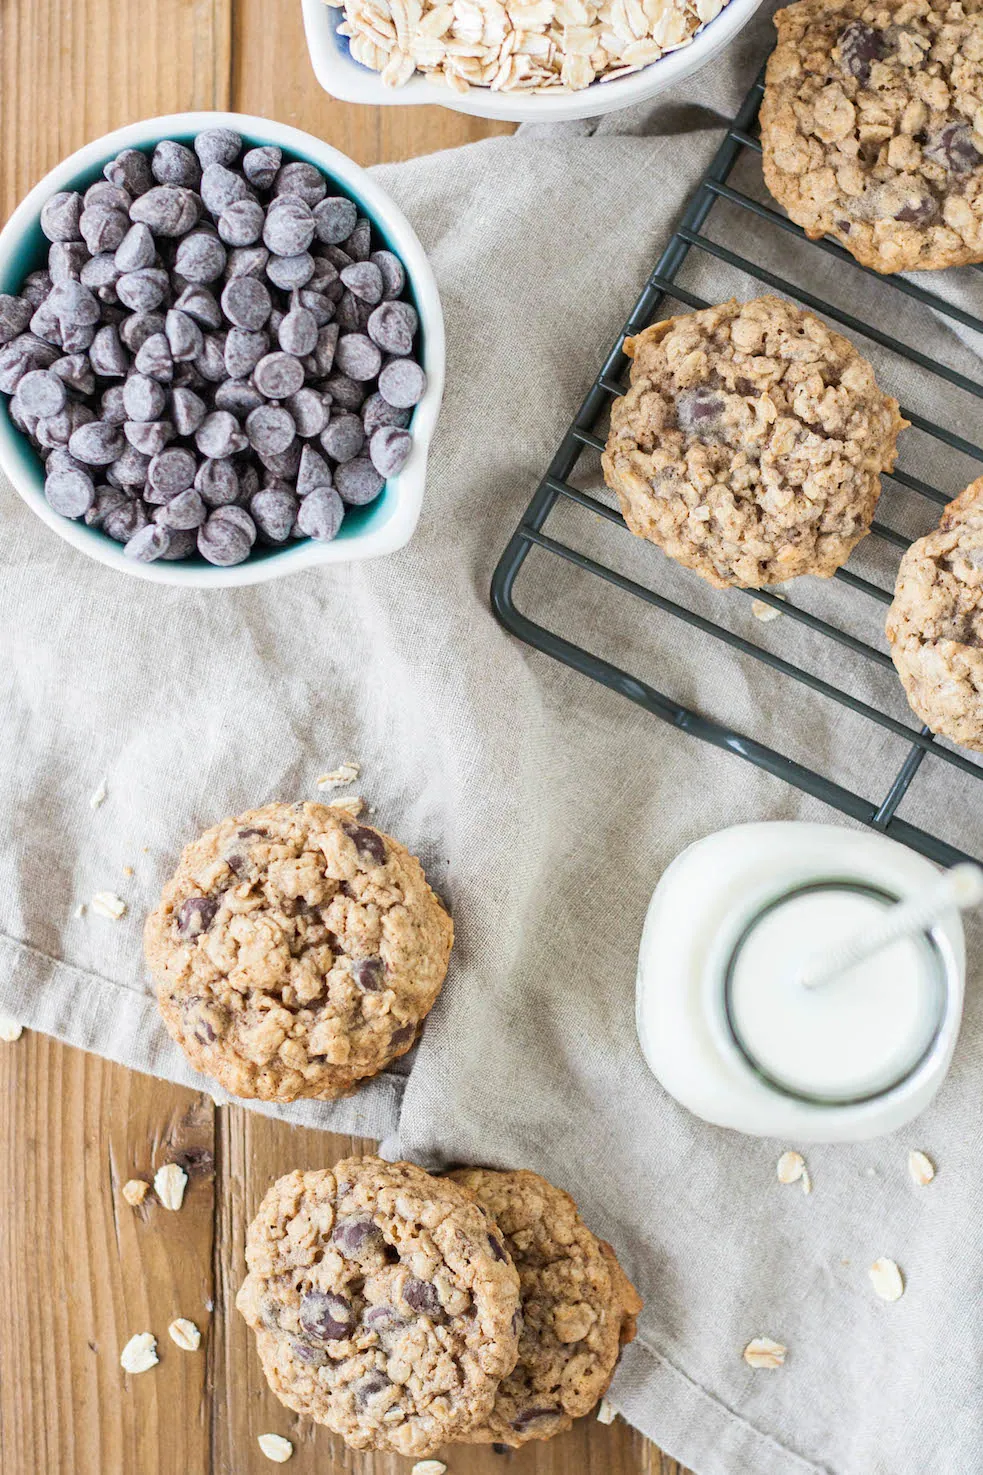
<point>80,1270</point>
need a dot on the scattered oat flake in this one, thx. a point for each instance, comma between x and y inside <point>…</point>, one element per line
<point>806,1181</point>
<point>99,797</point>
<point>606,1413</point>
<point>185,1334</point>
<point>275,1448</point>
<point>135,1190</point>
<point>921,1168</point>
<point>108,904</point>
<point>352,804</point>
<point>10,1030</point>
<point>80,909</point>
<point>429,1467</point>
<point>765,612</point>
<point>887,1280</point>
<point>763,1352</point>
<point>790,1167</point>
<point>170,1181</point>
<point>345,773</point>
<point>140,1353</point>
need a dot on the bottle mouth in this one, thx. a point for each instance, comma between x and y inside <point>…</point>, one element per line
<point>936,973</point>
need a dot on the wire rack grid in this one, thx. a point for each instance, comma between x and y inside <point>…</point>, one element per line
<point>555,488</point>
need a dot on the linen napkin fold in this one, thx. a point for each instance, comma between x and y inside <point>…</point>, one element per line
<point>543,807</point>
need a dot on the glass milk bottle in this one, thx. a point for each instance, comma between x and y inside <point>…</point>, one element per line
<point>724,1020</point>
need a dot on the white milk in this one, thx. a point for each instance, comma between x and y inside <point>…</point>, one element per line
<point>731,1032</point>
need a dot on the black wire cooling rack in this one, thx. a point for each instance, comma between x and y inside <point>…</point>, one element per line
<point>739,146</point>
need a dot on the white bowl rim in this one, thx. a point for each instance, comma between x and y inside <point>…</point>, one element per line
<point>348,81</point>
<point>399,526</point>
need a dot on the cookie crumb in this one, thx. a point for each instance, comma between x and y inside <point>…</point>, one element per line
<point>99,796</point>
<point>921,1168</point>
<point>765,612</point>
<point>185,1334</point>
<point>806,1180</point>
<point>135,1190</point>
<point>606,1413</point>
<point>108,904</point>
<point>140,1353</point>
<point>345,773</point>
<point>80,910</point>
<point>10,1030</point>
<point>170,1181</point>
<point>429,1467</point>
<point>128,871</point>
<point>887,1280</point>
<point>352,804</point>
<point>275,1448</point>
<point>763,1352</point>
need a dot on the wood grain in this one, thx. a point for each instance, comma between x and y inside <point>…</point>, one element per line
<point>80,1270</point>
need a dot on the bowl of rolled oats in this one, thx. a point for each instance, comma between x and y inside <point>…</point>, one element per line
<point>516,60</point>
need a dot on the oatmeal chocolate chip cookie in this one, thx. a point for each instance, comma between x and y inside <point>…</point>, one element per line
<point>750,442</point>
<point>578,1307</point>
<point>295,952</point>
<point>384,1303</point>
<point>872,128</point>
<point>935,625</point>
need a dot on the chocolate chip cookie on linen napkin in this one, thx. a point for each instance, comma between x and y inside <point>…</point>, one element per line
<point>543,807</point>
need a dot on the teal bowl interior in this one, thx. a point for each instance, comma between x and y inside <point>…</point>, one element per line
<point>31,254</point>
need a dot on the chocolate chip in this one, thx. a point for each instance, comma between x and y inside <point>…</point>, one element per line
<point>422,1297</point>
<point>370,1387</point>
<point>309,412</point>
<point>196,915</point>
<point>96,444</point>
<point>270,428</point>
<point>919,210</point>
<point>260,165</point>
<point>343,438</point>
<point>301,179</point>
<point>148,437</point>
<point>376,411</point>
<point>326,1317</point>
<point>143,398</point>
<point>279,375</point>
<point>169,210</point>
<point>222,542</point>
<point>698,411</point>
<point>200,258</point>
<point>172,163</point>
<point>369,974</point>
<point>274,512</point>
<point>154,358</point>
<point>143,290</point>
<point>246,302</point>
<point>170,472</point>
<point>201,305</point>
<point>289,228</point>
<point>358,482</point>
<point>60,216</point>
<point>130,171</point>
<point>219,436</point>
<point>217,146</point>
<point>320,515</point>
<point>308,1355</point>
<point>290,272</point>
<point>859,45</point>
<point>497,1248</point>
<point>530,1416</point>
<point>185,511</point>
<point>356,1233</point>
<point>312,473</point>
<point>136,250</point>
<point>393,326</point>
<point>368,843</point>
<point>953,148</point>
<point>243,351</point>
<point>148,544</point>
<point>184,336</point>
<point>15,314</point>
<point>69,493</point>
<point>241,223</point>
<point>389,449</point>
<point>220,188</point>
<point>402,382</point>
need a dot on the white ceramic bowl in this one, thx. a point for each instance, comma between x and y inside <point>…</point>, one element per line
<point>349,81</point>
<point>383,526</point>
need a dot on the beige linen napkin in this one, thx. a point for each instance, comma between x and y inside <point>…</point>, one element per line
<point>543,806</point>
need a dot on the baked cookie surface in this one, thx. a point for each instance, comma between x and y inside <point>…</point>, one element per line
<point>935,625</point>
<point>384,1303</point>
<point>750,443</point>
<point>578,1307</point>
<point>872,128</point>
<point>296,952</point>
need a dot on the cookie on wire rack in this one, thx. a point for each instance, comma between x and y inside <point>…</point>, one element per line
<point>872,128</point>
<point>935,625</point>
<point>750,443</point>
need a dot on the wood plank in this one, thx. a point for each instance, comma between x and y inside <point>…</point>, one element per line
<point>73,69</point>
<point>253,1151</point>
<point>81,1271</point>
<point>272,76</point>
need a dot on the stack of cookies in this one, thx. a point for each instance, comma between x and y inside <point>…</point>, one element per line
<point>406,1311</point>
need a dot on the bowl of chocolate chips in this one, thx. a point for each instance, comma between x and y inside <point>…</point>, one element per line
<point>221,353</point>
